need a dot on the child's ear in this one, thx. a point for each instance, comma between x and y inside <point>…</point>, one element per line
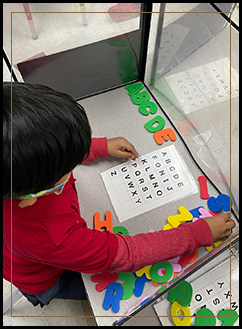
<point>27,202</point>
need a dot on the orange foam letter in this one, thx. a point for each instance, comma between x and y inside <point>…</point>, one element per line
<point>166,134</point>
<point>103,224</point>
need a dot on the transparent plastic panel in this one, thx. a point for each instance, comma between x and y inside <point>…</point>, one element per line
<point>77,48</point>
<point>224,7</point>
<point>55,27</point>
<point>213,288</point>
<point>193,71</point>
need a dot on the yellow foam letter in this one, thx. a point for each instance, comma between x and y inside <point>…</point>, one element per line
<point>175,308</point>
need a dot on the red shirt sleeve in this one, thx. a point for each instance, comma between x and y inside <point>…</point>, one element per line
<point>78,248</point>
<point>85,250</point>
<point>135,252</point>
<point>99,149</point>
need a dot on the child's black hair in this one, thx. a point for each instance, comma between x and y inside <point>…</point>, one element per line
<point>50,136</point>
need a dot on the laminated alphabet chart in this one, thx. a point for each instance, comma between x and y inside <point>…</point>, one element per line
<point>211,291</point>
<point>172,37</point>
<point>148,182</point>
<point>204,85</point>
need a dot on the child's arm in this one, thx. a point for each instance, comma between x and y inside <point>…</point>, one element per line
<point>85,250</point>
<point>98,149</point>
<point>118,147</point>
<point>137,251</point>
<point>156,247</point>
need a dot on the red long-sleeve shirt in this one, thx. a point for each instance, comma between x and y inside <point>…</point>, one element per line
<point>51,236</point>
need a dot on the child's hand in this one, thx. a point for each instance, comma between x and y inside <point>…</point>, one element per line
<point>119,147</point>
<point>220,226</point>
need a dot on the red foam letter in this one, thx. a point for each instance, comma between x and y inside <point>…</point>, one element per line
<point>104,279</point>
<point>203,187</point>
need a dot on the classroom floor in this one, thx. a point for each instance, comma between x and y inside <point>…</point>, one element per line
<point>58,312</point>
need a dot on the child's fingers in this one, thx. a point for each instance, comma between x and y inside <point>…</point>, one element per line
<point>129,148</point>
<point>126,154</point>
<point>221,226</point>
<point>120,147</point>
<point>226,216</point>
<point>230,224</point>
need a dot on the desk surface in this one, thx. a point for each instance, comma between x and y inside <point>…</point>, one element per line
<point>113,114</point>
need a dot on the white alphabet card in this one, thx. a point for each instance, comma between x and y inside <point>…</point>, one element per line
<point>150,181</point>
<point>204,85</point>
<point>216,290</point>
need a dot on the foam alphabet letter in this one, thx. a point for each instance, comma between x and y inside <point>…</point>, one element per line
<point>166,134</point>
<point>146,270</point>
<point>203,187</point>
<point>143,108</point>
<point>204,213</point>
<point>221,202</point>
<point>154,272</point>
<point>175,308</point>
<point>120,229</point>
<point>104,279</point>
<point>112,297</point>
<point>204,317</point>
<point>160,124</point>
<point>195,211</point>
<point>167,227</point>
<point>129,281</point>
<point>184,216</point>
<point>182,294</point>
<point>103,224</point>
<point>139,285</point>
<point>185,259</point>
<point>134,88</point>
<point>227,318</point>
<point>141,97</point>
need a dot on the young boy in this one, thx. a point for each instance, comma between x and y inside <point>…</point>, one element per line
<point>49,240</point>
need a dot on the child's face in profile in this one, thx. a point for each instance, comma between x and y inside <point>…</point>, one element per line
<point>30,199</point>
